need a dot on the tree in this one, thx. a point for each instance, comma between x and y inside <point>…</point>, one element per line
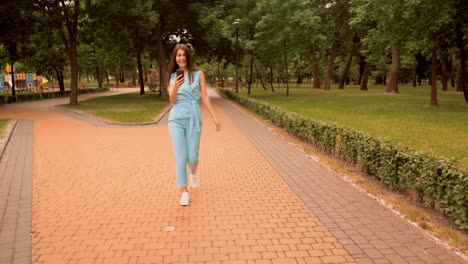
<point>248,12</point>
<point>432,19</point>
<point>353,52</point>
<point>461,22</point>
<point>390,30</point>
<point>16,22</point>
<point>64,16</point>
<point>48,56</point>
<point>335,15</point>
<point>285,29</point>
<point>136,32</point>
<point>365,78</point>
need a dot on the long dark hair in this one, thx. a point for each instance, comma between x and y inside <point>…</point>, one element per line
<point>173,66</point>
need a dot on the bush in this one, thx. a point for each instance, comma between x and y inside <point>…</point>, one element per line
<point>437,182</point>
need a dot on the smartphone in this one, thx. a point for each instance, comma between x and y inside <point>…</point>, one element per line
<point>179,72</point>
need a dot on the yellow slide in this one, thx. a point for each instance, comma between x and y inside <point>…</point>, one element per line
<point>43,81</point>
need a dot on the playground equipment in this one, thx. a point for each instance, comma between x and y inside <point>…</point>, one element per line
<point>23,81</point>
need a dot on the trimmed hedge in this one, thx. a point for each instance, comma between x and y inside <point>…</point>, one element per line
<point>7,98</point>
<point>437,182</point>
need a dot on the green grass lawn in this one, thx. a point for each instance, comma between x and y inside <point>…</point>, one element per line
<point>3,123</point>
<point>405,118</point>
<point>124,108</point>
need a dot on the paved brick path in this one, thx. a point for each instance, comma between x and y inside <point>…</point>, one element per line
<point>105,194</point>
<point>15,196</point>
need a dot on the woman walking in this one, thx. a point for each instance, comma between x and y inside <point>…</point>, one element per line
<point>187,85</point>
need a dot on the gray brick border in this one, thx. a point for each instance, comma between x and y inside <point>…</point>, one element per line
<point>16,195</point>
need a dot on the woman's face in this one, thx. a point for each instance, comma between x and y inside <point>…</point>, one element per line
<point>180,59</point>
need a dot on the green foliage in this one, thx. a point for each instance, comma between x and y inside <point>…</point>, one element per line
<point>285,30</point>
<point>6,98</point>
<point>437,181</point>
<point>335,16</point>
<point>3,123</point>
<point>16,25</point>
<point>48,51</point>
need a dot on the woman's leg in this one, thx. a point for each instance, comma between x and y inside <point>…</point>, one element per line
<point>193,146</point>
<point>179,143</point>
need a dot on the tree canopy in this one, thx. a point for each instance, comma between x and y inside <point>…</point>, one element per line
<point>279,41</point>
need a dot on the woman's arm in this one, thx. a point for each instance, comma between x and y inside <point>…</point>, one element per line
<point>206,100</point>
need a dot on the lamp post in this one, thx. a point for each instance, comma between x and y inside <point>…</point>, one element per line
<point>237,24</point>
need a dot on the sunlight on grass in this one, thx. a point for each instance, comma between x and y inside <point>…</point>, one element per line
<point>454,237</point>
<point>3,124</point>
<point>125,108</point>
<point>405,118</point>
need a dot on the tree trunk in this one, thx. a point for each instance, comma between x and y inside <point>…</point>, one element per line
<point>61,82</point>
<point>346,70</point>
<point>71,47</point>
<point>101,75</point>
<point>261,80</point>
<point>353,52</point>
<point>316,75</point>
<point>434,78</point>
<point>117,78</point>
<point>251,73</point>
<point>271,79</point>
<point>461,46</point>
<point>459,82</point>
<point>365,77</point>
<point>218,77</point>
<point>362,68</point>
<point>59,74</point>
<point>140,74</point>
<point>331,63</point>
<point>394,69</point>
<point>413,73</point>
<point>443,64</point>
<point>122,75</point>
<point>452,72</point>
<point>98,76</point>
<point>299,80</point>
<point>285,56</point>
<point>163,77</point>
<point>74,72</point>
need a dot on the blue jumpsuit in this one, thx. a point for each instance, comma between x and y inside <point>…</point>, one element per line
<point>185,126</point>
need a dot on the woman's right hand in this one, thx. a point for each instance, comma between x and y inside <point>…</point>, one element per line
<point>179,82</point>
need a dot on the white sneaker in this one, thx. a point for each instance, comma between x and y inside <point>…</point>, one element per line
<point>194,180</point>
<point>184,199</point>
